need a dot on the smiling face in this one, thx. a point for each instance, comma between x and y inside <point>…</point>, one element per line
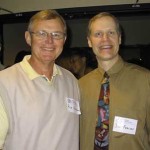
<point>104,38</point>
<point>45,49</point>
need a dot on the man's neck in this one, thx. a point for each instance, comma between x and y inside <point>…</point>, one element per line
<point>42,68</point>
<point>106,65</point>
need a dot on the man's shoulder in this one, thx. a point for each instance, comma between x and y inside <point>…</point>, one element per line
<point>9,72</point>
<point>9,69</point>
<point>137,72</point>
<point>136,68</point>
<point>66,73</point>
<point>90,77</point>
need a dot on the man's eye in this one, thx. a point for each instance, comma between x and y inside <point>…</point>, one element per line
<point>56,35</point>
<point>98,34</point>
<point>111,32</point>
<point>42,34</point>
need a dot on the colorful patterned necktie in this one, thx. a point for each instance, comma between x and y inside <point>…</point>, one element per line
<point>102,123</point>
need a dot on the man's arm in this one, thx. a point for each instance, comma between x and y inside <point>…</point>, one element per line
<point>3,123</point>
<point>148,109</point>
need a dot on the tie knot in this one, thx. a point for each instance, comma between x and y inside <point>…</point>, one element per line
<point>106,75</point>
<point>105,78</point>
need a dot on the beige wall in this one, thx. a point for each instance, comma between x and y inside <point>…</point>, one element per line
<point>34,5</point>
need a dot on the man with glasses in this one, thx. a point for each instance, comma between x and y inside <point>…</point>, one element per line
<point>39,101</point>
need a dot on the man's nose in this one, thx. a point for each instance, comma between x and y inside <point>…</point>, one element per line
<point>105,36</point>
<point>49,38</point>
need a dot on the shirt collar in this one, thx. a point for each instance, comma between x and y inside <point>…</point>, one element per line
<point>32,74</point>
<point>115,68</point>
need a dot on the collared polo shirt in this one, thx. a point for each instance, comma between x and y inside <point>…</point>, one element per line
<point>32,74</point>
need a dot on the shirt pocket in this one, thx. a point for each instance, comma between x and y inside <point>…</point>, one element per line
<point>128,119</point>
<point>123,141</point>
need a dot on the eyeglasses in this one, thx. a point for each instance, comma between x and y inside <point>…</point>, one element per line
<point>44,35</point>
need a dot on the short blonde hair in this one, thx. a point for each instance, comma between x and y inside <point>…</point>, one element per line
<point>46,15</point>
<point>100,15</point>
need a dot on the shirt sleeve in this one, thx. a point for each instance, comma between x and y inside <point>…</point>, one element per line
<point>148,111</point>
<point>3,123</point>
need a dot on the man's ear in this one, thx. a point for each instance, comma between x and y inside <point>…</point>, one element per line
<point>28,38</point>
<point>119,39</point>
<point>89,42</point>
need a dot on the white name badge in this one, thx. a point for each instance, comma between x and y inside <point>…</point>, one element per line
<point>73,106</point>
<point>125,125</point>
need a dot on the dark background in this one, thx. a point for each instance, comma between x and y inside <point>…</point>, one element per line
<point>134,19</point>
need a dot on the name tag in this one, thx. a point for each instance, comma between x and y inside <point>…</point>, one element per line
<point>125,125</point>
<point>73,106</point>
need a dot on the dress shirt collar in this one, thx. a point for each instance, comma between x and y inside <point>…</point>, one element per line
<point>115,68</point>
